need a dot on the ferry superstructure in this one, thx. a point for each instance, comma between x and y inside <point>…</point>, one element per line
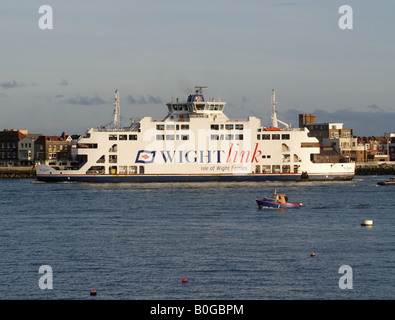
<point>196,141</point>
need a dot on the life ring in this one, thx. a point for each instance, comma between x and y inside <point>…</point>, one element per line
<point>197,98</point>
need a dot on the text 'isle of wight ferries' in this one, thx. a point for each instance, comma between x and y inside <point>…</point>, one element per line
<point>201,156</point>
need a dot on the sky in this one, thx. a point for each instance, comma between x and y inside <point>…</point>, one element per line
<point>63,79</point>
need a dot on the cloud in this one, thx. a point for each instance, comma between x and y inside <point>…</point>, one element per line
<point>143,100</point>
<point>86,101</point>
<point>13,84</point>
<point>64,82</point>
<point>10,84</point>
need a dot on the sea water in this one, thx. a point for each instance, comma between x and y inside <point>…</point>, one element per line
<point>137,241</point>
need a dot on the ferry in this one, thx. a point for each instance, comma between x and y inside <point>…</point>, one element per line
<point>196,141</point>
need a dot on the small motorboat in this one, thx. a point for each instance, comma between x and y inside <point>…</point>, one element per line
<point>277,201</point>
<point>389,182</point>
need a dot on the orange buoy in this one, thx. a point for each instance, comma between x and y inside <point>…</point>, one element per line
<point>313,254</point>
<point>93,292</point>
<point>184,279</point>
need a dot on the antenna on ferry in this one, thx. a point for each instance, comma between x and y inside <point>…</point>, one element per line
<point>200,89</point>
<point>274,112</point>
<point>117,110</point>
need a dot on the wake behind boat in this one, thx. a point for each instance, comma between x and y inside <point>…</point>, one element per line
<point>196,141</point>
<point>277,201</point>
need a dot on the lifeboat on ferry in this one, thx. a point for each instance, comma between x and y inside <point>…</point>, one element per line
<point>277,201</point>
<point>272,129</point>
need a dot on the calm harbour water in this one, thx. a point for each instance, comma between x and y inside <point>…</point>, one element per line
<point>137,241</point>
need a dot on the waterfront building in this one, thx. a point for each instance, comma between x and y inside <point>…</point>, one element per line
<point>53,150</point>
<point>9,146</point>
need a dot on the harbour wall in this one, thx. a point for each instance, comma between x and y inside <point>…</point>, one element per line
<point>17,173</point>
<point>375,168</point>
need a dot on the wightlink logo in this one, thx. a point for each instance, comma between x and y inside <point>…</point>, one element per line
<point>233,155</point>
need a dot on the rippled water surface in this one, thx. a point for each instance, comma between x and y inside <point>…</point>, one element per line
<point>136,241</point>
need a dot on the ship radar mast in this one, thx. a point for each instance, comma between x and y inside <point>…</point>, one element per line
<point>274,112</point>
<point>275,121</point>
<point>117,111</point>
<point>199,89</point>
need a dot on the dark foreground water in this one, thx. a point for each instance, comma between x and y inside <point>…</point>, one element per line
<point>137,241</point>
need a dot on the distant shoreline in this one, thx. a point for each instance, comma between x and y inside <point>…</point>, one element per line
<point>364,169</point>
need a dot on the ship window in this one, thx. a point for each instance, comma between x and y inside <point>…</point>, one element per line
<point>229,137</point>
<point>122,137</point>
<point>286,157</point>
<point>239,137</point>
<point>266,169</point>
<point>132,169</point>
<point>258,136</point>
<point>276,137</point>
<point>285,136</point>
<point>184,137</point>
<point>286,169</point>
<point>257,169</point>
<point>112,137</point>
<point>132,136</point>
<point>112,170</point>
<point>170,127</point>
<point>96,170</point>
<point>266,137</point>
<point>239,126</point>
<point>113,158</point>
<point>276,169</point>
<point>169,137</point>
<point>185,127</point>
<point>229,126</point>
<point>214,137</point>
<point>214,127</point>
<point>160,127</point>
<point>123,169</point>
<point>101,159</point>
<point>141,169</point>
<point>160,137</point>
<point>284,147</point>
<point>114,148</point>
<point>200,107</point>
<point>296,168</point>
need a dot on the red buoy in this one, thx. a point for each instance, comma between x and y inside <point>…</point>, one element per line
<point>313,254</point>
<point>93,292</point>
<point>184,279</point>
